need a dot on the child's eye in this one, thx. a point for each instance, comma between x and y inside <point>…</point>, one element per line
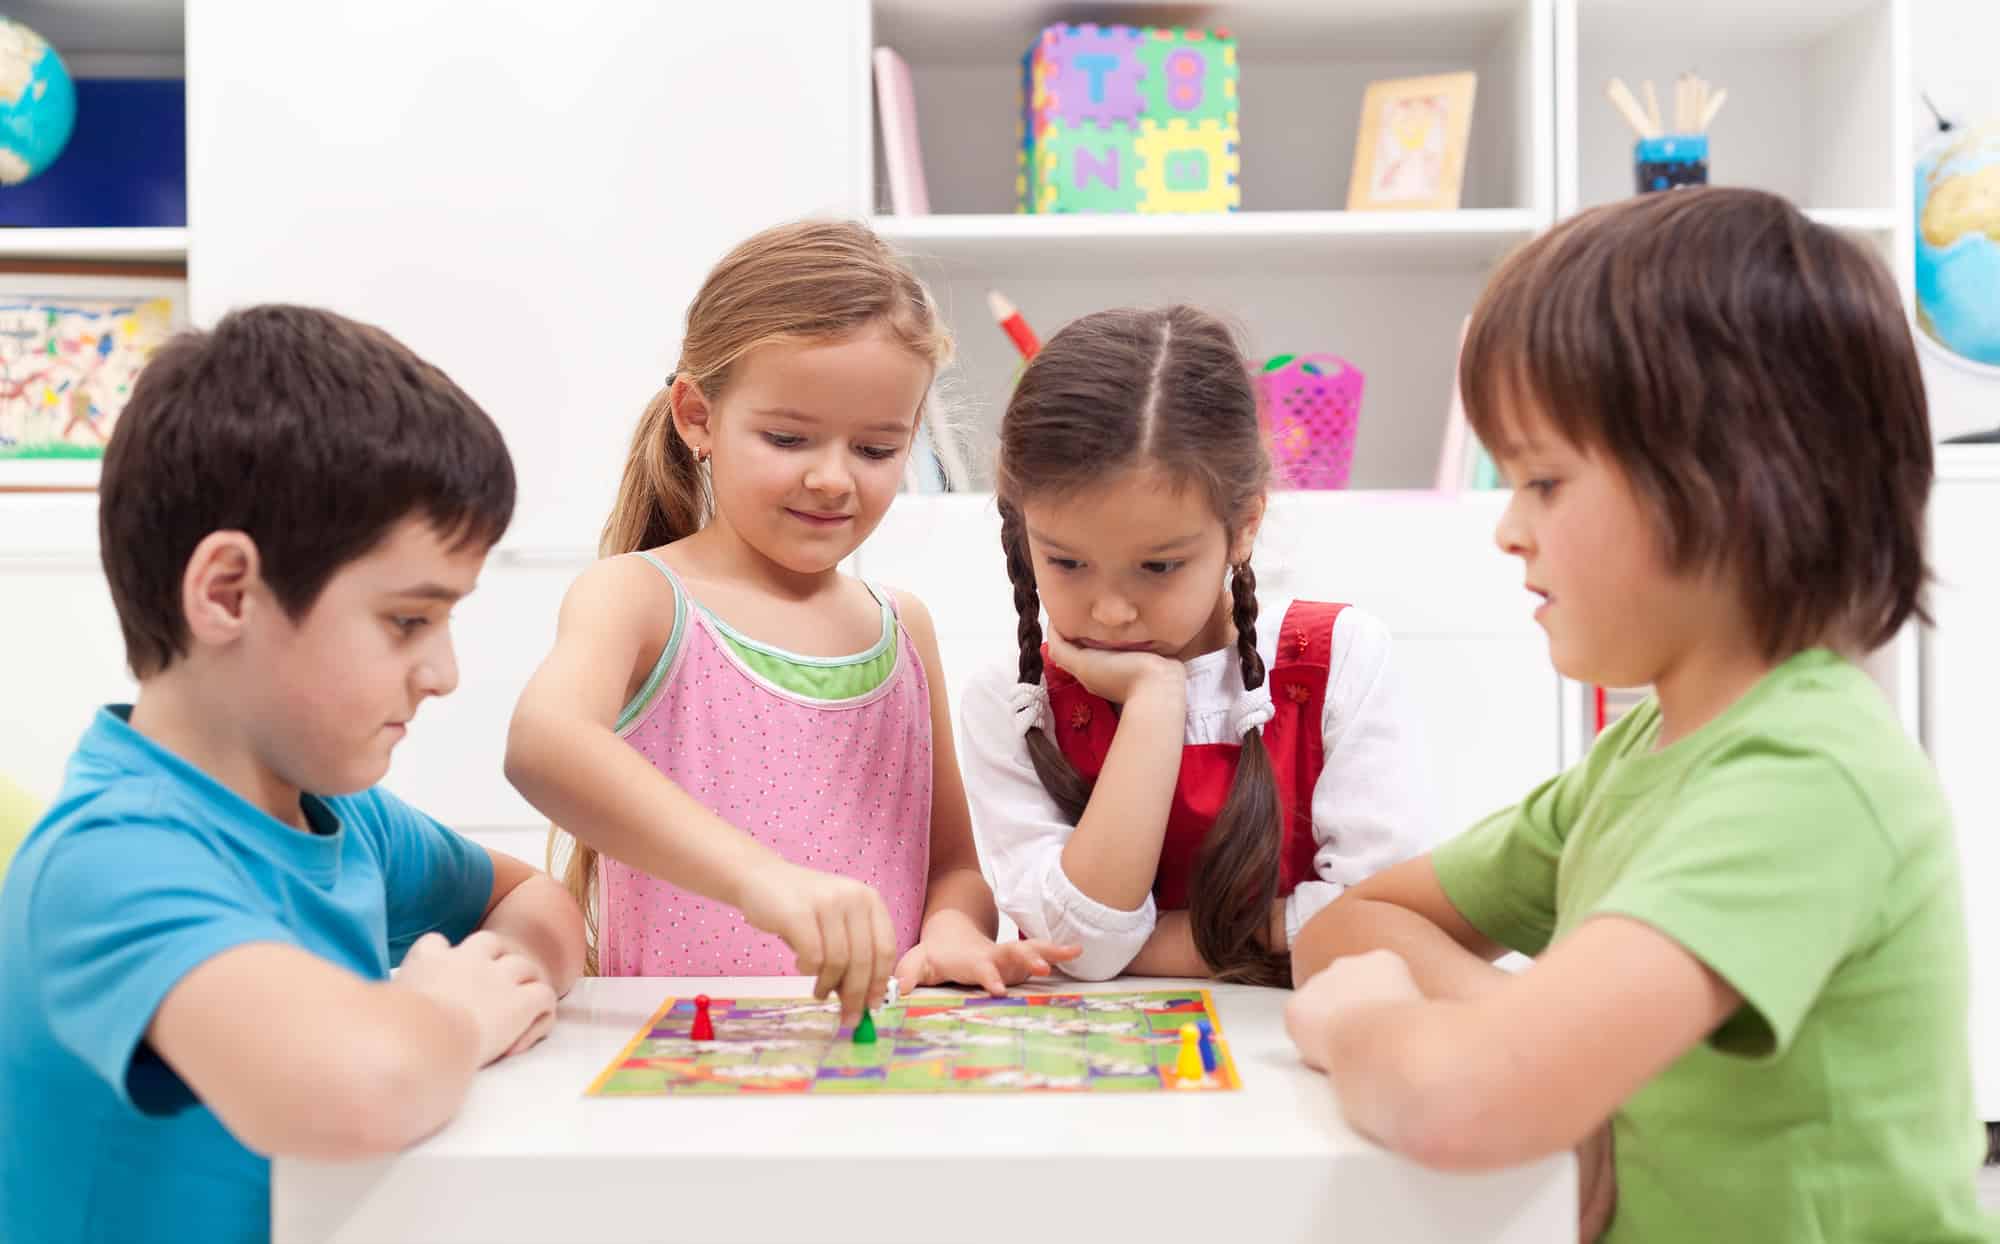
<point>409,625</point>
<point>784,440</point>
<point>1065,563</point>
<point>1161,568</point>
<point>878,453</point>
<point>1543,488</point>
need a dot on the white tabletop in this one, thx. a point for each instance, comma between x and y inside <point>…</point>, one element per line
<point>531,1158</point>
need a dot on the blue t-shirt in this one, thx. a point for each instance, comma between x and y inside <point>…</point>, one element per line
<point>144,868</point>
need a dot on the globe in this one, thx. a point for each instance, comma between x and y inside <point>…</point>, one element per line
<point>1958,243</point>
<point>37,103</point>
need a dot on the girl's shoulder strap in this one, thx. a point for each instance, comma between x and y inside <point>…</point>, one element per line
<point>884,597</point>
<point>1305,637</point>
<point>656,677</point>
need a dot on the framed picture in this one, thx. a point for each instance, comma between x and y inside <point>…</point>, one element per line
<point>1410,155</point>
<point>72,340</point>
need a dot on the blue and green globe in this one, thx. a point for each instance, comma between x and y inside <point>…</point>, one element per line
<point>1958,244</point>
<point>37,103</point>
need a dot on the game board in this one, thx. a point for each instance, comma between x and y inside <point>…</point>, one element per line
<point>926,1043</point>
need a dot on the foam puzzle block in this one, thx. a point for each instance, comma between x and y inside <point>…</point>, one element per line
<point>1129,119</point>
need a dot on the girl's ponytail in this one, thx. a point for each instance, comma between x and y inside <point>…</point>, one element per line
<point>663,495</point>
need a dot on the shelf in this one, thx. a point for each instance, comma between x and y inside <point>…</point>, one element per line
<point>1232,241</point>
<point>1739,24</point>
<point>119,27</point>
<point>96,245</point>
<point>949,31</point>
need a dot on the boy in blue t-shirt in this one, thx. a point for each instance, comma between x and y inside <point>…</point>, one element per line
<point>196,940</point>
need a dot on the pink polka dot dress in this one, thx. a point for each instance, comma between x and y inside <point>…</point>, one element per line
<point>838,785</point>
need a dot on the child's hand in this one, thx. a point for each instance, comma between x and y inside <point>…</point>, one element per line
<point>1597,1185</point>
<point>966,957</point>
<point>1340,988</point>
<point>1117,676</point>
<point>837,927</point>
<point>502,990</point>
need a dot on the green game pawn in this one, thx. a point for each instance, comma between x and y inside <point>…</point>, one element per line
<point>864,1032</point>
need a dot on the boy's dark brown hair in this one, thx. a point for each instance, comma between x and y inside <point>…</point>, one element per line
<point>1169,388</point>
<point>312,434</point>
<point>1752,374</point>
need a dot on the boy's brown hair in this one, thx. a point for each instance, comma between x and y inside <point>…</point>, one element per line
<point>1752,374</point>
<point>312,434</point>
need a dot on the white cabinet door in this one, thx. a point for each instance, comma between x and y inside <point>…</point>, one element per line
<point>1962,673</point>
<point>527,193</point>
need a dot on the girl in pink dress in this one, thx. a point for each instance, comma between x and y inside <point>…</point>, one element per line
<point>751,749</point>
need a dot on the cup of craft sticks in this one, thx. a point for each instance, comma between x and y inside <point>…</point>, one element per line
<point>1667,156</point>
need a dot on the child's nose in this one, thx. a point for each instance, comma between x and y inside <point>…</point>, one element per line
<point>828,473</point>
<point>1511,533</point>
<point>437,671</point>
<point>1112,610</point>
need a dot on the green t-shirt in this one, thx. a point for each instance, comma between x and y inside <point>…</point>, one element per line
<point>1800,847</point>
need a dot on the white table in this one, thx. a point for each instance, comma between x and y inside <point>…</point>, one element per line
<point>530,1158</point>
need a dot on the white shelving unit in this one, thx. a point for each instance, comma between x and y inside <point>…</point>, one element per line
<point>1819,111</point>
<point>1819,104</point>
<point>96,245</point>
<point>105,39</point>
<point>1297,273</point>
<point>1110,245</point>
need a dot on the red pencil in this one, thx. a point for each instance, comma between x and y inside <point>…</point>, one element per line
<point>1016,327</point>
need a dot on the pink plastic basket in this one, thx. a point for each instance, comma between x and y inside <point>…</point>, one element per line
<point>1311,408</point>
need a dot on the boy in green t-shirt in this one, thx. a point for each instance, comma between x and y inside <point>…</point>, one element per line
<point>1748,1013</point>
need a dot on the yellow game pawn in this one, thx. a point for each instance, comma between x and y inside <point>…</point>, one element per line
<point>1187,1069</point>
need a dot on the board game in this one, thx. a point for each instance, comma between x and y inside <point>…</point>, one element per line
<point>925,1043</point>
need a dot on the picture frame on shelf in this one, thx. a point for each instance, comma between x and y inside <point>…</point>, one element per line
<point>73,338</point>
<point>1410,152</point>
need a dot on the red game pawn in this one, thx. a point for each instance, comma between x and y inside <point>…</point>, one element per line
<point>703,1029</point>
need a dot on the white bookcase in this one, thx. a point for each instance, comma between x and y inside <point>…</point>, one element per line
<point>1819,102</point>
<point>1819,110</point>
<point>1296,273</point>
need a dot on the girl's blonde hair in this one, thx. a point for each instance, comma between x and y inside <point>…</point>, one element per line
<point>803,283</point>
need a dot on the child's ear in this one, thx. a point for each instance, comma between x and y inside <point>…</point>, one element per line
<point>216,587</point>
<point>693,417</point>
<point>1246,533</point>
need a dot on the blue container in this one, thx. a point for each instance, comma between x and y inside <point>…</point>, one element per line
<point>1670,161</point>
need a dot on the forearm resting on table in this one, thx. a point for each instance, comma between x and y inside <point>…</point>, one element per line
<point>539,916</point>
<point>1170,950</point>
<point>334,1068</point>
<point>1351,925</point>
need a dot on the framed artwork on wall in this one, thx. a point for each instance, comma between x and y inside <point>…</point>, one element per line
<point>1410,154</point>
<point>73,338</point>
